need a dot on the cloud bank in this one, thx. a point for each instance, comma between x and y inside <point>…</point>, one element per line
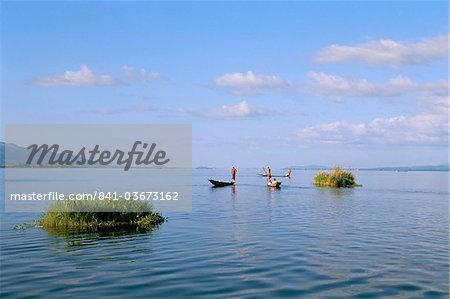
<point>430,127</point>
<point>240,110</point>
<point>387,52</point>
<point>139,74</point>
<point>141,108</point>
<point>322,84</point>
<point>249,83</point>
<point>83,77</point>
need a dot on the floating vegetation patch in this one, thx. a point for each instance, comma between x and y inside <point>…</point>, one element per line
<point>337,178</point>
<point>71,215</point>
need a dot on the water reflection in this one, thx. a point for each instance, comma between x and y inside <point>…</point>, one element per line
<point>103,233</point>
<point>232,189</point>
<point>270,191</point>
<point>269,195</point>
<point>233,193</point>
<point>73,238</point>
<point>334,192</point>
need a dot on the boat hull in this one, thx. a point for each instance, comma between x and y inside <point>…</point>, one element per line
<point>220,184</point>
<point>274,184</point>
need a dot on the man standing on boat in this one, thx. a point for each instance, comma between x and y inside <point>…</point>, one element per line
<point>233,174</point>
<point>268,175</point>
<point>288,174</point>
<point>267,171</point>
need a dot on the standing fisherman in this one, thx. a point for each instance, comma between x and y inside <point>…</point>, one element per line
<point>288,174</point>
<point>233,174</point>
<point>268,174</point>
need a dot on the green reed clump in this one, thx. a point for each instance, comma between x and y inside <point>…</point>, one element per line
<point>337,178</point>
<point>100,213</point>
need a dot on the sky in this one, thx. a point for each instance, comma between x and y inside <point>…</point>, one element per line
<point>355,84</point>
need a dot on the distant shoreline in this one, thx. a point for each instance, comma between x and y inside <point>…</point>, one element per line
<point>393,169</point>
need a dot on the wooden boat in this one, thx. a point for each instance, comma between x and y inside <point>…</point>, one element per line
<point>274,176</point>
<point>275,184</point>
<point>220,184</point>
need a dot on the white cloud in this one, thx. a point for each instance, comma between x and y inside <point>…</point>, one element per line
<point>249,83</point>
<point>139,74</point>
<point>83,77</point>
<point>336,87</point>
<point>335,132</point>
<point>110,111</point>
<point>388,52</point>
<point>430,127</point>
<point>243,109</point>
<point>240,110</point>
<point>441,105</point>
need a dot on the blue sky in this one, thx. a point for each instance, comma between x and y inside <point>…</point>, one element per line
<point>350,83</point>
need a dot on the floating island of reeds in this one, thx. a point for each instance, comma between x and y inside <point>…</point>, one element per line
<point>336,178</point>
<point>93,214</point>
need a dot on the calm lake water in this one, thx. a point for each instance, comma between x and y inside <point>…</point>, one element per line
<point>389,238</point>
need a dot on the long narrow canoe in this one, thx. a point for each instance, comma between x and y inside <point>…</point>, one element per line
<point>274,176</point>
<point>220,184</point>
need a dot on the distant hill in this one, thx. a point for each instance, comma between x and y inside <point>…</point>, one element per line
<point>16,154</point>
<point>442,167</point>
<point>309,167</point>
<point>203,167</point>
<point>2,153</point>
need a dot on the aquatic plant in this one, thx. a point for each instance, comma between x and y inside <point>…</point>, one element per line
<point>337,178</point>
<point>95,213</point>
